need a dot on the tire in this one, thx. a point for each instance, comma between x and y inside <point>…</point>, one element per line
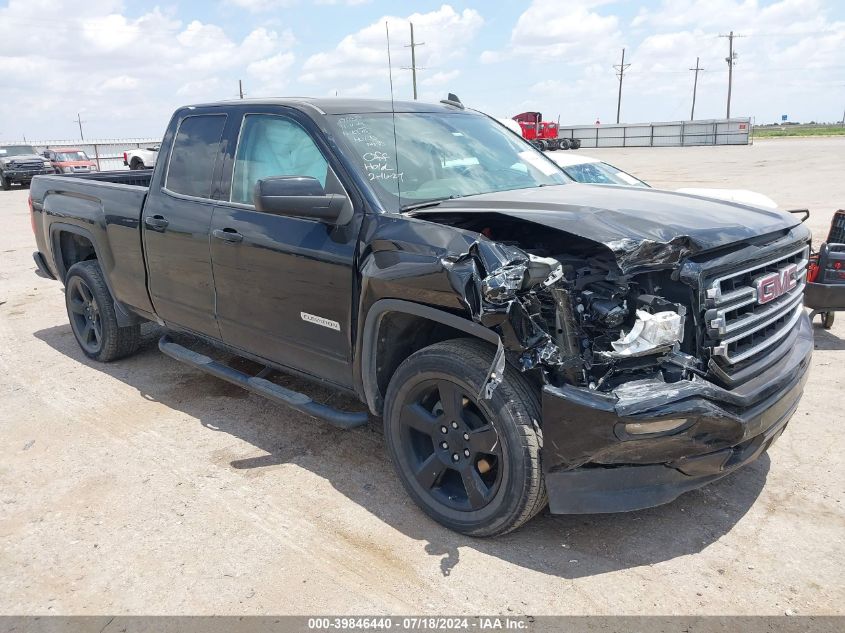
<point>493,445</point>
<point>564,143</point>
<point>4,183</point>
<point>575,143</point>
<point>136,164</point>
<point>827,319</point>
<point>90,309</point>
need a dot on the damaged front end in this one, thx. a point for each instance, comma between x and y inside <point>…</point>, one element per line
<point>658,367</point>
<point>569,319</point>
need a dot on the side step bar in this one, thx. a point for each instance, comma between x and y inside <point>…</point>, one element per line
<point>257,384</point>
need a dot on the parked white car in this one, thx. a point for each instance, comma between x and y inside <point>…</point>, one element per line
<point>141,158</point>
<point>586,169</point>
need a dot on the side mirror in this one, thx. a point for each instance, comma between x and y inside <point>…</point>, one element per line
<point>301,197</point>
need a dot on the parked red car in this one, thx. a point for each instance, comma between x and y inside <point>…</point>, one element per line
<point>70,160</point>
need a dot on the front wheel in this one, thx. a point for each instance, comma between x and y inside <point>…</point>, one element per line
<point>90,308</point>
<point>4,183</point>
<point>471,464</point>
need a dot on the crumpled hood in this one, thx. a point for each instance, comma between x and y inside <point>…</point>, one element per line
<point>640,226</point>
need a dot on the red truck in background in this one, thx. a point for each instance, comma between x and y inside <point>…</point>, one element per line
<point>543,134</point>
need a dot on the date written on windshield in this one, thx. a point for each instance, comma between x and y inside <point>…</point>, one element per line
<point>378,168</point>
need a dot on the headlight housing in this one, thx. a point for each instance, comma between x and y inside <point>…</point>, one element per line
<point>47,163</point>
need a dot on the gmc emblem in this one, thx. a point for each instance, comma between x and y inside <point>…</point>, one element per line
<point>773,285</point>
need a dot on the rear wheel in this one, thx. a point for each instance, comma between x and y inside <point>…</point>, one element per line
<point>136,164</point>
<point>90,308</point>
<point>827,319</point>
<point>471,464</point>
<point>564,143</point>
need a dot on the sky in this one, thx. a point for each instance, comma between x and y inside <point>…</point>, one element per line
<point>125,66</point>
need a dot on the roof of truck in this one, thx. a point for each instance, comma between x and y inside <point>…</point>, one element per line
<point>329,105</point>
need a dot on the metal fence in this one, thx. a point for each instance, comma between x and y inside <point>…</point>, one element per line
<point>107,152</point>
<point>664,134</point>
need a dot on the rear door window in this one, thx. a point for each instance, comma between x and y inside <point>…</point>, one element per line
<point>194,155</point>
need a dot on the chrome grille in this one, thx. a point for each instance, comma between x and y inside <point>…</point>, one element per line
<point>737,326</point>
<point>28,165</point>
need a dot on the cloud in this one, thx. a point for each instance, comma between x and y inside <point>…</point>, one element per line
<point>156,62</point>
<point>362,56</point>
<point>262,6</point>
<point>441,78</point>
<point>571,32</point>
<point>120,82</point>
<point>259,6</point>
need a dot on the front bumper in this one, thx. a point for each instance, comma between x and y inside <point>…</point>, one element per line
<point>591,465</point>
<point>25,175</point>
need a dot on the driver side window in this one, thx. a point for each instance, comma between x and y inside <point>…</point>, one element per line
<point>273,146</point>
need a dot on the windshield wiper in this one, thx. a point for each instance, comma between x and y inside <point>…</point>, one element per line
<point>427,203</point>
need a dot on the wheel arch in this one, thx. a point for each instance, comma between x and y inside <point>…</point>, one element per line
<point>394,329</point>
<point>72,244</point>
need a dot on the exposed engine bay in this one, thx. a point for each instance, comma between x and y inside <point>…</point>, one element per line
<point>565,310</point>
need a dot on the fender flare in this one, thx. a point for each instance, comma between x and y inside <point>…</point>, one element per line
<point>372,325</point>
<point>124,316</point>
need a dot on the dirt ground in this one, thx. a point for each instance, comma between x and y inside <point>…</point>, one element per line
<point>144,487</point>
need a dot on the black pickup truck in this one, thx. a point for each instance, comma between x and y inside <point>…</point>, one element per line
<point>526,339</point>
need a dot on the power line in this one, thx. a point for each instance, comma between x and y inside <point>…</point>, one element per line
<point>413,68</point>
<point>694,88</point>
<point>620,72</point>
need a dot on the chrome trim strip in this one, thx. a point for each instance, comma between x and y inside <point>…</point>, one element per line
<point>714,290</point>
<point>722,349</point>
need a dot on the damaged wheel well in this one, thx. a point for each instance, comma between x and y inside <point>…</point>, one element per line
<point>395,329</point>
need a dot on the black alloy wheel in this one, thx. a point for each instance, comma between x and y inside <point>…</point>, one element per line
<point>85,316</point>
<point>454,452</point>
<point>470,463</point>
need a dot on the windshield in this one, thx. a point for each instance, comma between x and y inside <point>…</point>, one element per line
<point>69,157</point>
<point>601,174</point>
<point>16,150</point>
<point>441,155</point>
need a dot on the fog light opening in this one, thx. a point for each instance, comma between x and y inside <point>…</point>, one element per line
<point>657,426</point>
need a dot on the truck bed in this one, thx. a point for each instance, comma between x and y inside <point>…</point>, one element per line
<point>103,209</point>
<point>135,178</point>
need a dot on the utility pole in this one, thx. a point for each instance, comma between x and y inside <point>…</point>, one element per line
<point>694,87</point>
<point>413,46</point>
<point>731,59</point>
<point>241,88</point>
<point>620,72</point>
<point>79,121</point>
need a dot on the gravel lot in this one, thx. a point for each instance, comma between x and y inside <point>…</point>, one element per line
<point>145,487</point>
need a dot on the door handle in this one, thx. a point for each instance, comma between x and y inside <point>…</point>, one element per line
<point>156,222</point>
<point>228,235</point>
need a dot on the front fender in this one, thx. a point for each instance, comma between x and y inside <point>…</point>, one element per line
<point>370,332</point>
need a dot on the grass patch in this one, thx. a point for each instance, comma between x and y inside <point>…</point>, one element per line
<point>799,130</point>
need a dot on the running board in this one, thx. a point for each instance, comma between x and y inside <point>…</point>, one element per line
<point>257,384</point>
